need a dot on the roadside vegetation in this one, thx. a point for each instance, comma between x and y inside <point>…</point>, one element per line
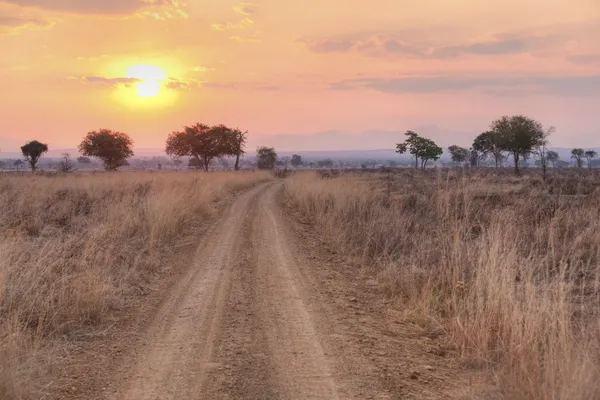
<point>75,247</point>
<point>507,267</point>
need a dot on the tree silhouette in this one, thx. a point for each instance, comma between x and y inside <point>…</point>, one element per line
<point>577,155</point>
<point>489,143</point>
<point>421,148</point>
<point>205,143</point>
<point>296,160</point>
<point>112,147</point>
<point>266,157</point>
<point>33,151</point>
<point>459,154</point>
<point>590,155</point>
<point>552,157</point>
<point>518,135</point>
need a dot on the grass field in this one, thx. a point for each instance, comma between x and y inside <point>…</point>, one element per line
<point>508,267</point>
<point>74,248</point>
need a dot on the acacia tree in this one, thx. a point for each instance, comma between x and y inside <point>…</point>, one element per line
<point>552,157</point>
<point>205,143</point>
<point>489,143</point>
<point>421,148</point>
<point>33,151</point>
<point>541,151</point>
<point>296,160</point>
<point>238,140</point>
<point>266,157</point>
<point>459,154</point>
<point>577,155</point>
<point>199,141</point>
<point>518,135</point>
<point>112,147</point>
<point>590,155</point>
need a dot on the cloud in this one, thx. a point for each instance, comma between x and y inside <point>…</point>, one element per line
<point>225,26</point>
<point>585,59</point>
<point>202,68</point>
<point>101,80</point>
<point>251,86</point>
<point>105,7</point>
<point>580,86</point>
<point>247,39</point>
<point>169,83</point>
<point>176,84</point>
<point>14,24</point>
<point>405,45</point>
<point>245,8</point>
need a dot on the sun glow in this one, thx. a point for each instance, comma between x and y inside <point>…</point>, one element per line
<point>149,79</point>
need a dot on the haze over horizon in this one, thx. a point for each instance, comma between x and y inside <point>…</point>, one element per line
<point>309,75</point>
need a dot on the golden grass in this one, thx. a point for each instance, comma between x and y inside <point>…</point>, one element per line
<point>509,267</point>
<point>74,248</point>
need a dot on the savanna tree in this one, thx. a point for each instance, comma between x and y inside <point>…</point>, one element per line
<point>459,154</point>
<point>590,155</point>
<point>421,148</point>
<point>578,155</point>
<point>296,160</point>
<point>540,151</point>
<point>33,151</point>
<point>199,141</point>
<point>112,147</point>
<point>206,143</point>
<point>238,141</point>
<point>488,143</point>
<point>266,157</point>
<point>552,157</point>
<point>518,135</point>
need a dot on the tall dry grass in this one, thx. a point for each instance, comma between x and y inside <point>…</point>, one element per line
<point>74,248</point>
<point>510,267</point>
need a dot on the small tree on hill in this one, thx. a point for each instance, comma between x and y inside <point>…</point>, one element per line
<point>459,154</point>
<point>266,157</point>
<point>578,155</point>
<point>421,148</point>
<point>18,164</point>
<point>112,147</point>
<point>590,155</point>
<point>33,151</point>
<point>518,135</point>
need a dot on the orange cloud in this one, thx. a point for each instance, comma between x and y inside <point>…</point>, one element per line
<point>14,24</point>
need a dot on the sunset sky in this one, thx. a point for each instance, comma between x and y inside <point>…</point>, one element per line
<point>344,74</point>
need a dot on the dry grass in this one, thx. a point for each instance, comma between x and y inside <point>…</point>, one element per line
<point>510,267</point>
<point>74,248</point>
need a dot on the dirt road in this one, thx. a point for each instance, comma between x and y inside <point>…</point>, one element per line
<point>237,325</point>
<point>260,314</point>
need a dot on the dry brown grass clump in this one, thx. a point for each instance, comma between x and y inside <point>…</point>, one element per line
<point>509,266</point>
<point>73,248</point>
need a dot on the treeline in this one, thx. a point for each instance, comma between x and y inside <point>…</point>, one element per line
<point>201,142</point>
<point>517,136</point>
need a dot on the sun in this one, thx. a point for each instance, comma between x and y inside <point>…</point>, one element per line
<point>149,79</point>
